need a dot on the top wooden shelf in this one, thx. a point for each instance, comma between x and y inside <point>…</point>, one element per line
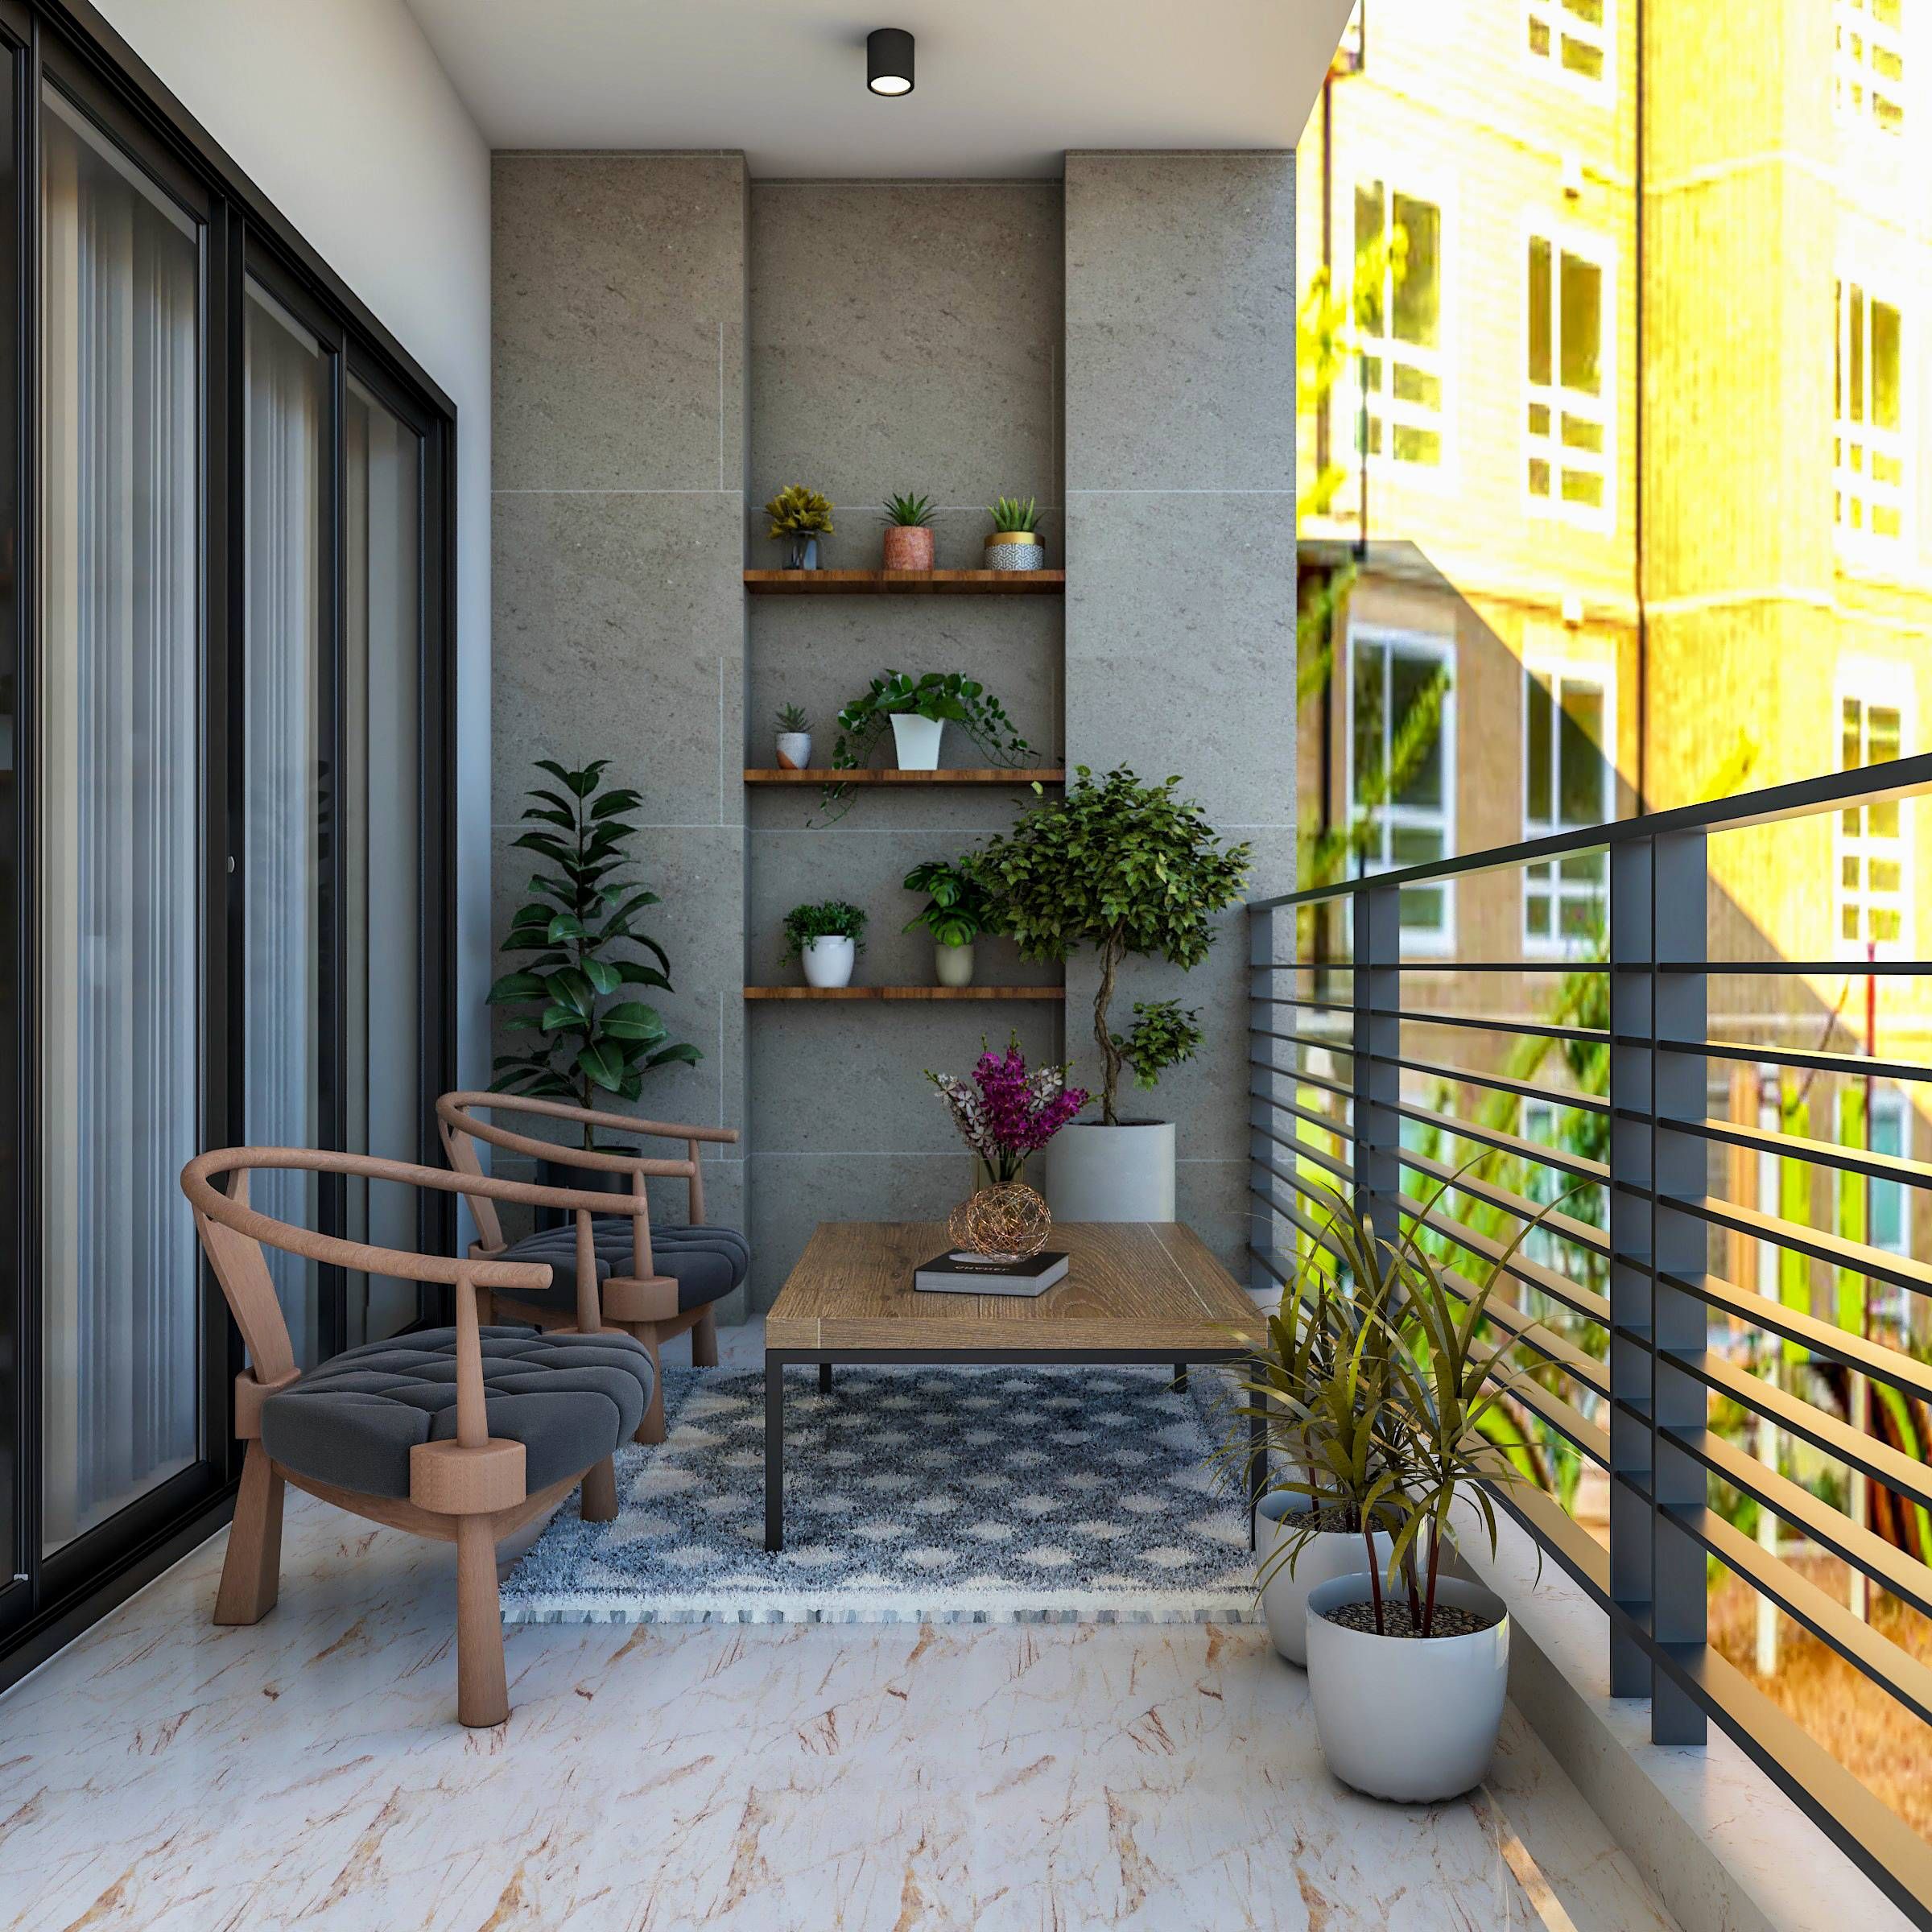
<point>905,583</point>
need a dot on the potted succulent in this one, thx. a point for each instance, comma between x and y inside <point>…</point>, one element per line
<point>1127,869</point>
<point>827,938</point>
<point>800,517</point>
<point>1015,542</point>
<point>957,911</point>
<point>908,543</point>
<point>795,739</point>
<point>919,711</point>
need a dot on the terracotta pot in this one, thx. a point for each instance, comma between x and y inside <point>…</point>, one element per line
<point>908,546</point>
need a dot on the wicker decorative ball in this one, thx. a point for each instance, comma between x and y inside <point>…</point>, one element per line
<point>1008,1219</point>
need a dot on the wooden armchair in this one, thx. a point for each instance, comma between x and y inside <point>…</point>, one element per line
<point>464,1435</point>
<point>612,1268</point>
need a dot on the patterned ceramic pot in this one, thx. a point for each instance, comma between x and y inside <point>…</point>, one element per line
<point>1015,550</point>
<point>908,546</point>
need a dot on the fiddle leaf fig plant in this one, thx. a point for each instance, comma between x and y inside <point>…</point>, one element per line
<point>1124,868</point>
<point>577,925</point>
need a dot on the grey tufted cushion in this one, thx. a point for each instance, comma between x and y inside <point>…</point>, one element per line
<point>707,1262</point>
<point>569,1399</point>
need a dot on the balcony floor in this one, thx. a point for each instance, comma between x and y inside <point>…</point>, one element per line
<point>164,1774</point>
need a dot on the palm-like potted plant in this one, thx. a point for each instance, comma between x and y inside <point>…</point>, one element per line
<point>827,938</point>
<point>800,517</point>
<point>576,926</point>
<point>1014,543</point>
<point>1126,869</point>
<point>908,540</point>
<point>957,911</point>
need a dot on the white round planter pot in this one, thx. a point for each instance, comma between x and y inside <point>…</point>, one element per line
<point>828,962</point>
<point>952,965</point>
<point>1410,1718</point>
<point>794,751</point>
<point>917,741</point>
<point>1096,1173</point>
<point>1325,1556</point>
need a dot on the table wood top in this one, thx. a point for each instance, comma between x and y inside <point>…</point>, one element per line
<point>1129,1286</point>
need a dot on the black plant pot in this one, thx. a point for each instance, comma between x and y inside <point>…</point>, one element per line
<point>584,1180</point>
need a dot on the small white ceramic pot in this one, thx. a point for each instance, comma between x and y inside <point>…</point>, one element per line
<point>1413,1719</point>
<point>1095,1173</point>
<point>794,750</point>
<point>1326,1554</point>
<point>952,965</point>
<point>917,741</point>
<point>828,961</point>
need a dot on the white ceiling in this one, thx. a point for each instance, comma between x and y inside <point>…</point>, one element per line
<point>1004,87</point>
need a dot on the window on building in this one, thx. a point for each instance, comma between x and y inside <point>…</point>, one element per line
<point>1872,852</point>
<point>1401,768</point>
<point>1868,448</point>
<point>1874,1210</point>
<point>1399,402</point>
<point>1567,432</point>
<point>1569,782</point>
<point>1573,36</point>
<point>1868,63</point>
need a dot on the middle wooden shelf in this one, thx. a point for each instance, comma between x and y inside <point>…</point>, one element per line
<point>904,992</point>
<point>958,774</point>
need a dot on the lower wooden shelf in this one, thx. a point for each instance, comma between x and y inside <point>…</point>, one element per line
<point>904,992</point>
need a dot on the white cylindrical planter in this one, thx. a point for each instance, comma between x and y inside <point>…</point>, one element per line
<point>794,751</point>
<point>1095,1173</point>
<point>1410,1718</point>
<point>952,965</point>
<point>917,741</point>
<point>1325,1555</point>
<point>828,961</point>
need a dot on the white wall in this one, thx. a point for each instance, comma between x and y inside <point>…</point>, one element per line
<point>341,115</point>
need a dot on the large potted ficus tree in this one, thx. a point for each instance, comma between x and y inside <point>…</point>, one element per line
<point>576,926</point>
<point>1129,869</point>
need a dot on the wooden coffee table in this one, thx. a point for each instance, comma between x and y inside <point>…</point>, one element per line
<point>1134,1291</point>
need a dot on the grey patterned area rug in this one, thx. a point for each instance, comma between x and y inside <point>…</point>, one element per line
<point>929,1494</point>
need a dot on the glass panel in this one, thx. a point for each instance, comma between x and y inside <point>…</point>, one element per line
<point>11,1390</point>
<point>1368,232</point>
<point>1882,733</point>
<point>119,845</point>
<point>1540,789</point>
<point>291,1003</point>
<point>1581,302</point>
<point>1418,293</point>
<point>381,935</point>
<point>1584,767</point>
<point>1884,365</point>
<point>1858,354</point>
<point>1369,660</point>
<point>1410,674</point>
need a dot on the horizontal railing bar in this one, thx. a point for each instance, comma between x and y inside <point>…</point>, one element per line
<point>1314,1117</point>
<point>1589,1036</point>
<point>1796,1147</point>
<point>1307,1189</point>
<point>1583,1103</point>
<point>1569,1422</point>
<point>1532,1274</point>
<point>1289,1212</point>
<point>1327,1162</point>
<point>1302,1078</point>
<point>1855,969</point>
<point>1563,1226</point>
<point>1575,1362</point>
<point>1852,1066</point>
<point>1460,1128</point>
<point>1876,1359</point>
<point>1855,1257</point>
<point>1897,778</point>
<point>1338,1044</point>
<point>1437,965</point>
<point>1284,999</point>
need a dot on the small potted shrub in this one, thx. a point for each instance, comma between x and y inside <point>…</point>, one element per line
<point>1015,542</point>
<point>908,543</point>
<point>800,517</point>
<point>827,938</point>
<point>919,711</point>
<point>957,911</point>
<point>795,739</point>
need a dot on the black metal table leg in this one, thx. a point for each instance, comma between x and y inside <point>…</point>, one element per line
<point>1180,1375</point>
<point>774,1455</point>
<point>824,1378</point>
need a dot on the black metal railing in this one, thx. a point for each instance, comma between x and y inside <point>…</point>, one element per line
<point>1615,1313</point>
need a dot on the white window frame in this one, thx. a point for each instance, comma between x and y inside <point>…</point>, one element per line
<point>1890,1302</point>
<point>1868,684</point>
<point>1559,23</point>
<point>1856,85</point>
<point>1853,445</point>
<point>1389,349</point>
<point>1430,941</point>
<point>1556,672</point>
<point>1549,447</point>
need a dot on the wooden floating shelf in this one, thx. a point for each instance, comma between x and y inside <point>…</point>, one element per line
<point>905,583</point>
<point>959,774</point>
<point>904,992</point>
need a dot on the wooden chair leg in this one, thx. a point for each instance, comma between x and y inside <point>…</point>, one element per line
<point>598,1503</point>
<point>651,1429</point>
<point>482,1687</point>
<point>251,1573</point>
<point>704,1341</point>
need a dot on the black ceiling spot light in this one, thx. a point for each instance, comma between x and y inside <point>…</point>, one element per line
<point>888,60</point>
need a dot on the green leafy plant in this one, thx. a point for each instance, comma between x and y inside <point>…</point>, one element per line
<point>950,696</point>
<point>792,717</point>
<point>1120,866</point>
<point>796,511</point>
<point>1162,1036</point>
<point>1012,515</point>
<point>830,919</point>
<point>910,512</point>
<point>958,909</point>
<point>575,923</point>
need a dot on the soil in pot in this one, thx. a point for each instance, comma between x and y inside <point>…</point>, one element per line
<point>1450,1620</point>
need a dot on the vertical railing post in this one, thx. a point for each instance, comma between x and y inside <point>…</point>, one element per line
<point>1264,1235</point>
<point>1658,900</point>
<point>1376,1042</point>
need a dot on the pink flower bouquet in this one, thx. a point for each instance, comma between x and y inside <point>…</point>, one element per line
<point>1004,1113</point>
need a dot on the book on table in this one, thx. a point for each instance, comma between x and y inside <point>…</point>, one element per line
<point>960,1271</point>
